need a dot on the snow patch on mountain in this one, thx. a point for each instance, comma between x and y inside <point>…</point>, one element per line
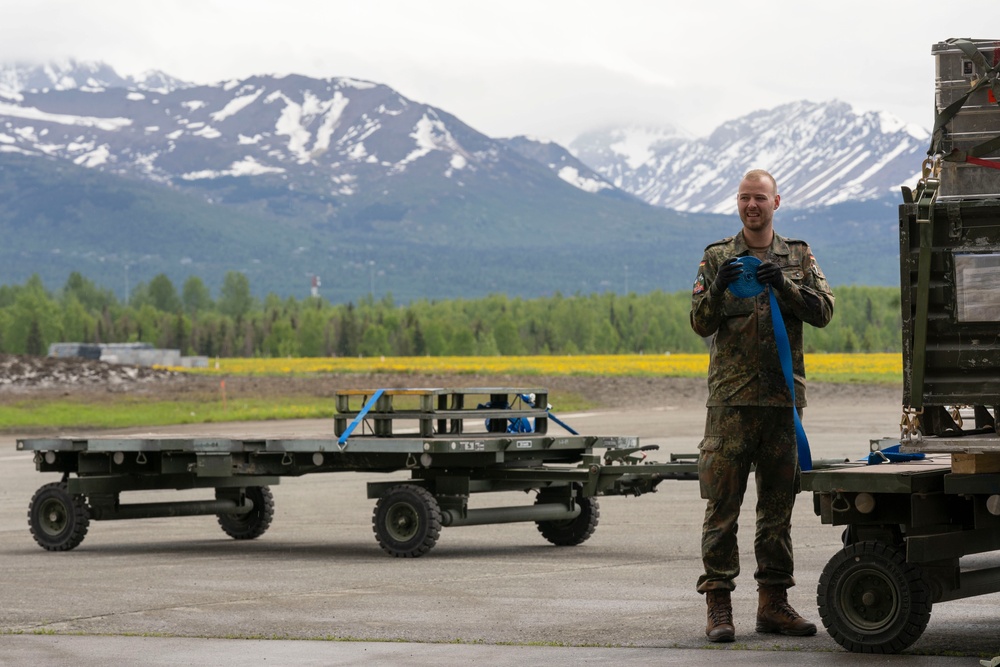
<point>93,157</point>
<point>248,166</point>
<point>572,176</point>
<point>429,134</point>
<point>236,105</point>
<point>31,113</point>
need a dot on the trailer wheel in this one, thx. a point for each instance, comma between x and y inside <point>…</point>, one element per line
<point>58,520</point>
<point>254,523</point>
<point>407,521</point>
<point>571,532</point>
<point>871,600</point>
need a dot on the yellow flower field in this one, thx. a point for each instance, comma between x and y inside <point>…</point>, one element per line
<point>859,368</point>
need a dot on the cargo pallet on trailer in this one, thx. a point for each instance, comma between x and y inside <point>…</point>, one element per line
<point>934,495</point>
<point>452,442</point>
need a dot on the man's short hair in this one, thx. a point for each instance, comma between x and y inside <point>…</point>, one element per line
<point>760,175</point>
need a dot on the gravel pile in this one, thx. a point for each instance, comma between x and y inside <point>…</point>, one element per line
<point>24,372</point>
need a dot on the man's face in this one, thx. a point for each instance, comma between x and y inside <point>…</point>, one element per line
<point>756,202</point>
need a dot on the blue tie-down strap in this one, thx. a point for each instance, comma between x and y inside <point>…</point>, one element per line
<point>530,400</point>
<point>892,455</point>
<point>746,286</point>
<point>519,425</point>
<point>514,424</point>
<point>361,415</point>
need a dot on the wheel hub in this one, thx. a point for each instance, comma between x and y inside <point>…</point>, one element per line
<point>402,522</point>
<point>869,600</point>
<point>54,518</point>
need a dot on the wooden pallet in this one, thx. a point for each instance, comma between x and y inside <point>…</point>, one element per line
<point>970,455</point>
<point>971,464</point>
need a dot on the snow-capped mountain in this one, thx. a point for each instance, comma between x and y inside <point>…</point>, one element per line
<point>337,137</point>
<point>71,74</point>
<point>564,164</point>
<point>333,171</point>
<point>821,154</point>
<point>357,133</point>
<point>284,176</point>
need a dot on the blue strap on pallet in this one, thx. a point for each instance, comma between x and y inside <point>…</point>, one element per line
<point>746,286</point>
<point>527,399</point>
<point>361,415</point>
<point>561,423</point>
<point>892,455</point>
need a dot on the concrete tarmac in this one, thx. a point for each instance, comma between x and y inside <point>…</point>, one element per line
<point>317,589</point>
<point>91,651</point>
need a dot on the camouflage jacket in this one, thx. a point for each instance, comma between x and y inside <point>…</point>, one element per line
<point>744,367</point>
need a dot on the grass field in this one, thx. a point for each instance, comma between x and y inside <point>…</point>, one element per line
<point>34,414</point>
<point>121,410</point>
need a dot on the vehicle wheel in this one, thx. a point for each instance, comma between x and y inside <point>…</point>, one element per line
<point>571,532</point>
<point>871,600</point>
<point>58,520</point>
<point>254,523</point>
<point>407,521</point>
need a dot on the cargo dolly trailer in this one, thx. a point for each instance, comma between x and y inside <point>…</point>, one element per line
<point>933,495</point>
<point>451,442</point>
<point>907,525</point>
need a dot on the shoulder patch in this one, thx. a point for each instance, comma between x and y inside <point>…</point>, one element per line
<point>728,239</point>
<point>699,283</point>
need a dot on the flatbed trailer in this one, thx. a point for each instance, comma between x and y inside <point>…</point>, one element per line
<point>451,442</point>
<point>906,527</point>
<point>909,523</point>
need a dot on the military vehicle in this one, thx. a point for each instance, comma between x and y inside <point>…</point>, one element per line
<point>923,501</point>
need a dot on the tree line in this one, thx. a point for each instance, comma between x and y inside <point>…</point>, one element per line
<point>234,323</point>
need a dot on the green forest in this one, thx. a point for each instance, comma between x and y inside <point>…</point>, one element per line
<point>234,323</point>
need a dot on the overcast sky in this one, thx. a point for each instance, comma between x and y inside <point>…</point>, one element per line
<point>546,68</point>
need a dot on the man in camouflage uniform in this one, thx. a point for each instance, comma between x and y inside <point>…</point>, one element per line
<point>750,420</point>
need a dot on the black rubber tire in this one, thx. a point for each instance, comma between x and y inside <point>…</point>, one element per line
<point>407,521</point>
<point>58,520</point>
<point>871,600</point>
<point>571,532</point>
<point>254,523</point>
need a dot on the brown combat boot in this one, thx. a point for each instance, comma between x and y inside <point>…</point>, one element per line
<point>720,617</point>
<point>775,615</point>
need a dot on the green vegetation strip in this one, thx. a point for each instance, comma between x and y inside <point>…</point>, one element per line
<point>48,415</point>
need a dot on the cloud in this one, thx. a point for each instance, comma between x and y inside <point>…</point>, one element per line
<point>549,69</point>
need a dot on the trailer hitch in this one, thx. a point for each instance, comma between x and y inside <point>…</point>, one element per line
<point>628,455</point>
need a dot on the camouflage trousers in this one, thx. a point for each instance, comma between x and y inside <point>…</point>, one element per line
<point>737,438</point>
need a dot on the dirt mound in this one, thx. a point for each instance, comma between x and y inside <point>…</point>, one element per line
<point>25,373</point>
